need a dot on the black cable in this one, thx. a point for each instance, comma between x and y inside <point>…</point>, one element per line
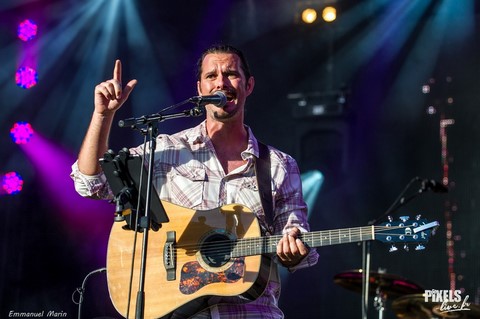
<point>81,290</point>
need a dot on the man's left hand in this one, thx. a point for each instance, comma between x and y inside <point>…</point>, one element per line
<point>290,249</point>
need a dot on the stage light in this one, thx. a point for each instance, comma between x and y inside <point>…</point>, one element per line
<point>309,15</point>
<point>312,182</point>
<point>426,89</point>
<point>27,30</point>
<point>329,14</point>
<point>26,77</point>
<point>12,183</point>
<point>21,132</point>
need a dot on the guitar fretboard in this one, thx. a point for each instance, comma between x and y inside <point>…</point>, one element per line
<point>268,244</point>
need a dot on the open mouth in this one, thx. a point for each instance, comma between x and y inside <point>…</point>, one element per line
<point>230,96</point>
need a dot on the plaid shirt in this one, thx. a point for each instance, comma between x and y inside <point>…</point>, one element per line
<point>188,173</point>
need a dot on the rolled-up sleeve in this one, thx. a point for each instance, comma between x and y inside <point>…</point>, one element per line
<point>91,186</point>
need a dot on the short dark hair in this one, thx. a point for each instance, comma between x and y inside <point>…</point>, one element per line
<point>224,48</point>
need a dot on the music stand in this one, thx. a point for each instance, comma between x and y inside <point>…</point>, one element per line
<point>126,176</point>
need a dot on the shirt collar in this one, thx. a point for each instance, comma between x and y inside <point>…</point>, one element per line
<point>199,135</point>
<point>252,146</point>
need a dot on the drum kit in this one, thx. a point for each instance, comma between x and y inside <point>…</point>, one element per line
<point>408,299</point>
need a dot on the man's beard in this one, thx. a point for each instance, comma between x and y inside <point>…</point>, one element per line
<point>225,115</point>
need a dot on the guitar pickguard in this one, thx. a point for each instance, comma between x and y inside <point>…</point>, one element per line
<point>193,276</point>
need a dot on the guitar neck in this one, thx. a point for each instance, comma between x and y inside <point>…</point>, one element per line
<point>268,244</point>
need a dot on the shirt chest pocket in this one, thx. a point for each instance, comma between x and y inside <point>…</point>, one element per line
<point>248,194</point>
<point>186,185</point>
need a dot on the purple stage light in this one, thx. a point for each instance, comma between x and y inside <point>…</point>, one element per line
<point>27,30</point>
<point>21,132</point>
<point>86,221</point>
<point>12,183</point>
<point>26,77</point>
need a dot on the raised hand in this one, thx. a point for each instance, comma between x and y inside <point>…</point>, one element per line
<point>109,95</point>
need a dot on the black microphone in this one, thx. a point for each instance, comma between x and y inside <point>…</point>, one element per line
<point>218,99</point>
<point>434,186</point>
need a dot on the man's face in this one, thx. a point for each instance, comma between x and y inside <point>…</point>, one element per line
<point>223,72</point>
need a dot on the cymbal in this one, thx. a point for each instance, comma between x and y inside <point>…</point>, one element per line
<point>415,307</point>
<point>388,284</point>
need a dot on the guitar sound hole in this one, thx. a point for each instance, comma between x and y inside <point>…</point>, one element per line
<point>216,250</point>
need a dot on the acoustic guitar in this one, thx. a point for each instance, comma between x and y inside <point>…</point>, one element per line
<point>218,252</point>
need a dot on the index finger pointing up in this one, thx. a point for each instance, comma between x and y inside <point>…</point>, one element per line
<point>117,71</point>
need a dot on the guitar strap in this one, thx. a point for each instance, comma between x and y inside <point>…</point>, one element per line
<point>264,181</point>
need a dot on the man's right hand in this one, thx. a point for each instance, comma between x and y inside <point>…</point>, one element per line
<point>109,95</point>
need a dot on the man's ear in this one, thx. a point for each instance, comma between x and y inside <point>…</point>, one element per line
<point>250,85</point>
<point>198,88</point>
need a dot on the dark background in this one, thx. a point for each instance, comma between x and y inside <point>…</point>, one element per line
<point>377,53</point>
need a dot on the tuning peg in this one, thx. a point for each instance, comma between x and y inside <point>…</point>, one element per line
<point>420,247</point>
<point>390,218</point>
<point>404,218</point>
<point>392,249</point>
<point>418,217</point>
<point>406,248</point>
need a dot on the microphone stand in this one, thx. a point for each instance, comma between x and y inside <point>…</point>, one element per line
<point>145,222</point>
<point>400,201</point>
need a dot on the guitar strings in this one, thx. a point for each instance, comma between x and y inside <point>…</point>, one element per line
<point>256,245</point>
<point>323,235</point>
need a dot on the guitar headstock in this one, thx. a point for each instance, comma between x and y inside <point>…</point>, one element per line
<point>406,231</point>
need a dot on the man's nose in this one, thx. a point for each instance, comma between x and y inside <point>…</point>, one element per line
<point>220,81</point>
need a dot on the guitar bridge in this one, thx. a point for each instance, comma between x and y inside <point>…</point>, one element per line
<point>169,256</point>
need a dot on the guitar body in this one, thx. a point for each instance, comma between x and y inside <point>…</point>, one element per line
<point>185,265</point>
